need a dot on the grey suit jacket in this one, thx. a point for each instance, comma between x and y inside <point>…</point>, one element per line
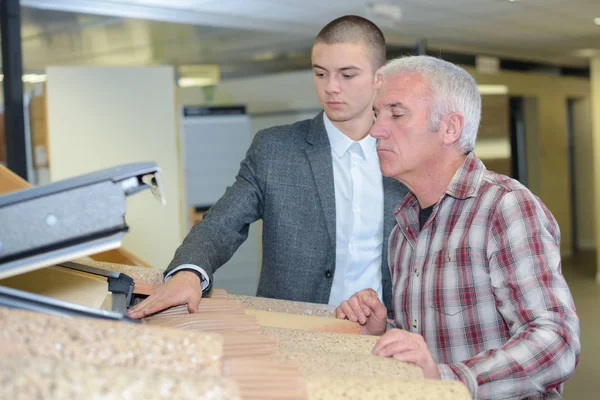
<point>287,180</point>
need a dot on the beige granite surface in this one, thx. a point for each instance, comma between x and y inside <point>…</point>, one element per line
<point>351,388</point>
<point>284,306</point>
<point>316,363</point>
<point>151,276</point>
<point>321,341</point>
<point>24,378</point>
<point>109,343</point>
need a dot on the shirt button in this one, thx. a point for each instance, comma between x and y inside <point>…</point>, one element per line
<point>414,325</point>
<point>328,274</point>
<point>417,272</point>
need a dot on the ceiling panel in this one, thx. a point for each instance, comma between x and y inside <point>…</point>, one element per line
<point>240,31</point>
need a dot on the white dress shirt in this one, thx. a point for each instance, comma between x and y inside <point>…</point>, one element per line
<point>358,215</point>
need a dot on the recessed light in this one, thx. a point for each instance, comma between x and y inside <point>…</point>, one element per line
<point>588,53</point>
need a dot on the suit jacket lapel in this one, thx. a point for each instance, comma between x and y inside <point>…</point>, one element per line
<point>319,156</point>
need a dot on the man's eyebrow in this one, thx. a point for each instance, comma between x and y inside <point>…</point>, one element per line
<point>396,104</point>
<point>349,67</point>
<point>392,105</point>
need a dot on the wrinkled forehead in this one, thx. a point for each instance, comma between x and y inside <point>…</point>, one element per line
<point>407,88</point>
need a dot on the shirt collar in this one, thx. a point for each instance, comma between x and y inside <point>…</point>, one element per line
<point>467,179</point>
<point>465,183</point>
<point>340,143</point>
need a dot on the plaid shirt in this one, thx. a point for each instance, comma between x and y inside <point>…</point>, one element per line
<point>482,283</point>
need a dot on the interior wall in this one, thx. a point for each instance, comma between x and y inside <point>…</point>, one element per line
<point>551,94</point>
<point>99,117</point>
<point>532,145</point>
<point>595,111</point>
<point>584,177</point>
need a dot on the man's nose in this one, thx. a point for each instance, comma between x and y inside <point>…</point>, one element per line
<point>332,85</point>
<point>378,130</point>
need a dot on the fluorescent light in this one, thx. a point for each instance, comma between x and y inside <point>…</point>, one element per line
<point>386,10</point>
<point>588,53</point>
<point>492,89</point>
<point>30,78</point>
<point>264,56</point>
<point>34,78</point>
<point>199,81</point>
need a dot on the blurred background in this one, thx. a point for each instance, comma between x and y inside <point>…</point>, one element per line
<point>187,83</point>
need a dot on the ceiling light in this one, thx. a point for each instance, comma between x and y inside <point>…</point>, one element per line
<point>34,78</point>
<point>588,53</point>
<point>597,21</point>
<point>200,81</point>
<point>29,78</point>
<point>264,56</point>
<point>492,89</point>
<point>385,10</point>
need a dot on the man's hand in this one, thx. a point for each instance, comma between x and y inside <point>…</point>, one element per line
<point>365,308</point>
<point>409,347</point>
<point>183,288</point>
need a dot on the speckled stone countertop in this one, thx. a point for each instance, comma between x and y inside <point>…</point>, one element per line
<point>284,306</point>
<point>316,363</point>
<point>350,388</point>
<point>109,343</point>
<point>45,378</point>
<point>321,341</point>
<point>151,276</point>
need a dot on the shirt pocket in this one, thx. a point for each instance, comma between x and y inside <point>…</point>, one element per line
<point>458,280</point>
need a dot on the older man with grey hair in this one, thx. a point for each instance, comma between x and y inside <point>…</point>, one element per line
<point>478,293</point>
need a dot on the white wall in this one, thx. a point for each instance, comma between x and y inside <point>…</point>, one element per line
<point>106,116</point>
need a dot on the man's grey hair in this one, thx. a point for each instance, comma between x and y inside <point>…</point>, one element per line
<point>453,90</point>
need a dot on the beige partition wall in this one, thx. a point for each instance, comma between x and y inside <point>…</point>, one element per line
<point>106,116</point>
<point>595,111</point>
<point>551,94</point>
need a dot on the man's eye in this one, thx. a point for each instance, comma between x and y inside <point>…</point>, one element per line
<point>397,115</point>
<point>348,76</point>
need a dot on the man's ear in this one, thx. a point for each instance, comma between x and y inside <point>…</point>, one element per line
<point>454,124</point>
<point>378,80</point>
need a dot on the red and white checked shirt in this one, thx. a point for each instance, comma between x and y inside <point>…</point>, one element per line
<point>482,283</point>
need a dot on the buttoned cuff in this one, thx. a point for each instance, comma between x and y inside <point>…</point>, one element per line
<point>459,372</point>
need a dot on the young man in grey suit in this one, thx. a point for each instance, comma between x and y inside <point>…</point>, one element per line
<point>316,184</point>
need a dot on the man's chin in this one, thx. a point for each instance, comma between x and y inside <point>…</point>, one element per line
<point>337,116</point>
